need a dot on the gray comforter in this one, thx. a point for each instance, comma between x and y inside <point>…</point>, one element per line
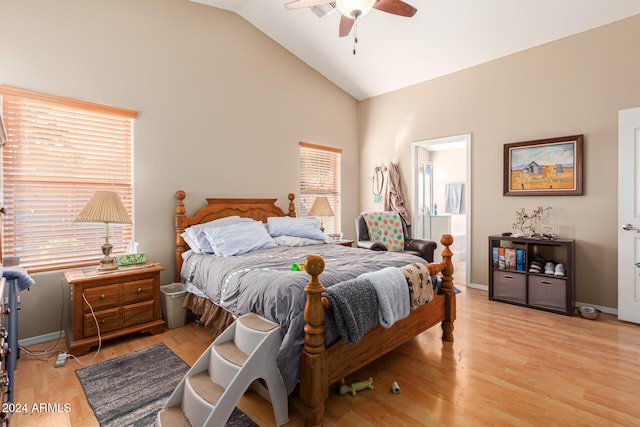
<point>262,282</point>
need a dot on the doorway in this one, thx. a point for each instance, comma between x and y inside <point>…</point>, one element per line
<point>441,197</point>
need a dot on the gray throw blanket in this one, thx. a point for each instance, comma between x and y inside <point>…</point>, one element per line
<point>346,319</point>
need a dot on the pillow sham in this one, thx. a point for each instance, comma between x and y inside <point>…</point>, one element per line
<point>239,238</point>
<point>297,227</point>
<point>196,239</point>
<point>190,239</point>
<point>296,241</point>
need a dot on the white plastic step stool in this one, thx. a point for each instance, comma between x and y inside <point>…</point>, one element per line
<point>246,351</point>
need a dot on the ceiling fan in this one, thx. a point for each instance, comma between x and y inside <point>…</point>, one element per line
<point>352,10</point>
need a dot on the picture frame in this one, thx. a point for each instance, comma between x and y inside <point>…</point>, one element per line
<point>546,167</point>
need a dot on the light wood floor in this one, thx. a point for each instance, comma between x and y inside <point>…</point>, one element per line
<point>508,366</point>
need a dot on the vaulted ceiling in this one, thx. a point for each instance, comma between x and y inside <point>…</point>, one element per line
<point>443,37</point>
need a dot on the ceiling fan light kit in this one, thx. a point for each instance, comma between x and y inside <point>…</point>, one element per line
<point>355,8</point>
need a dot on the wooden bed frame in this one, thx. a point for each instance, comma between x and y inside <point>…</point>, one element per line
<point>321,366</point>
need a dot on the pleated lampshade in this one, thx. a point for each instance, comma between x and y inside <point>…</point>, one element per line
<point>104,206</point>
<point>321,207</point>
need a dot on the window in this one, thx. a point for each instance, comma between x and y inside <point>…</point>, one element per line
<point>58,152</point>
<point>320,176</point>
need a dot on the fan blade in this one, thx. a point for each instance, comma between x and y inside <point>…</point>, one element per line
<point>298,4</point>
<point>395,7</point>
<point>345,25</point>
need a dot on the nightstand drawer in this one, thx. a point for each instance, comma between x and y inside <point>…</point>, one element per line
<point>109,320</point>
<point>510,286</point>
<point>102,297</point>
<point>548,292</point>
<point>136,314</point>
<point>139,290</point>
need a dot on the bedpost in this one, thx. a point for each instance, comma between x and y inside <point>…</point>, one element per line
<point>292,206</point>
<point>314,388</point>
<point>447,289</point>
<point>180,225</point>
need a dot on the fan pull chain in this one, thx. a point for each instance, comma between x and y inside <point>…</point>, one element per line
<point>355,35</point>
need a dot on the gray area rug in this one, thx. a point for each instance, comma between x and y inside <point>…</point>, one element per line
<point>129,390</point>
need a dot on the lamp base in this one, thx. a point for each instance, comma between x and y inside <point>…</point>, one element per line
<point>107,263</point>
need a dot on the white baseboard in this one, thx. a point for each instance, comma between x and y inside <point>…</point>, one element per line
<point>607,310</point>
<point>42,338</point>
<point>478,286</point>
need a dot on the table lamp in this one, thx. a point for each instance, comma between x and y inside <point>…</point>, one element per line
<point>105,206</point>
<point>321,208</point>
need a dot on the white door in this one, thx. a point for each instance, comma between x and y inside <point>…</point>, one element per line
<point>629,215</point>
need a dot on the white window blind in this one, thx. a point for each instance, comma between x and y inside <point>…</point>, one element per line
<point>320,176</point>
<point>58,152</point>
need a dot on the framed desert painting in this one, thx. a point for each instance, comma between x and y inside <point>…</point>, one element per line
<point>547,167</point>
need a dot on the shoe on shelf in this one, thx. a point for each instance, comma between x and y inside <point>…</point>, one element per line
<point>534,268</point>
<point>559,270</point>
<point>549,268</point>
<point>536,265</point>
<point>539,260</point>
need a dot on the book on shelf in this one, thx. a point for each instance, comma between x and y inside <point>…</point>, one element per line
<point>501,257</point>
<point>520,259</point>
<point>494,256</point>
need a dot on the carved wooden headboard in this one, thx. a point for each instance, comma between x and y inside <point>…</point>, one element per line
<point>258,209</point>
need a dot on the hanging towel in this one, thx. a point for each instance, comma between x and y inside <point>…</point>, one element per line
<point>393,200</point>
<point>452,197</point>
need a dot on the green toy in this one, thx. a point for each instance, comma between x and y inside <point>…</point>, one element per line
<point>297,267</point>
<point>355,387</point>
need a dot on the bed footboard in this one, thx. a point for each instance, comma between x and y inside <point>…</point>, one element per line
<point>314,363</point>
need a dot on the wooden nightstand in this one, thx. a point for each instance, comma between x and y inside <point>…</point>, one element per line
<point>124,301</point>
<point>347,243</point>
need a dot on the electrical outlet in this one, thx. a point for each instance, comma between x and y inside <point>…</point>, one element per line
<point>61,359</point>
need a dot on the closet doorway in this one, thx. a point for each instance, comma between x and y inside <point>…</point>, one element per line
<point>441,196</point>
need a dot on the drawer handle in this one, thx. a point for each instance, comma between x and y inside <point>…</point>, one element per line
<point>139,290</point>
<point>543,282</point>
<point>103,321</point>
<point>103,296</point>
<point>508,277</point>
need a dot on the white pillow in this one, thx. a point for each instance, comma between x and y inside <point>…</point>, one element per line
<point>296,241</point>
<point>238,238</point>
<point>297,227</point>
<point>195,233</point>
<point>190,239</point>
